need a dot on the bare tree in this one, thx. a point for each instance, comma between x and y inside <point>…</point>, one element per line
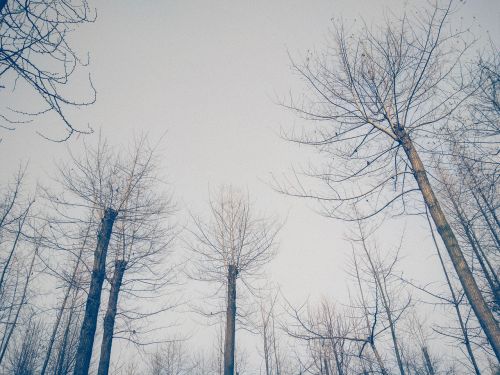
<point>382,275</point>
<point>142,242</point>
<point>380,99</point>
<point>34,36</point>
<point>101,184</point>
<point>171,359</point>
<point>17,308</point>
<point>67,305</point>
<point>231,245</point>
<point>274,350</point>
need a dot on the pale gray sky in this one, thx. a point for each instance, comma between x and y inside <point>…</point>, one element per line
<point>207,73</point>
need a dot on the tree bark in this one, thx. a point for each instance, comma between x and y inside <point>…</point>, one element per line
<point>109,319</point>
<point>87,333</point>
<point>229,342</point>
<point>476,299</point>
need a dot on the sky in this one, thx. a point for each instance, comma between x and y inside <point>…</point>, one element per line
<point>208,77</point>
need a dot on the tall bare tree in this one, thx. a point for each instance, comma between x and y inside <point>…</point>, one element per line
<point>380,99</point>
<point>101,183</point>
<point>231,245</point>
<point>141,246</point>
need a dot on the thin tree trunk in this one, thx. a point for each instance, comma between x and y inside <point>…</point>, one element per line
<point>87,333</point>
<point>338,364</point>
<point>371,338</point>
<point>327,369</point>
<point>485,257</point>
<point>109,319</point>
<point>428,362</point>
<point>380,362</point>
<point>229,343</point>
<point>266,349</point>
<point>485,216</point>
<point>65,355</point>
<point>277,362</point>
<point>476,299</point>
<point>11,311</point>
<point>9,314</point>
<point>493,283</point>
<point>62,365</point>
<point>477,187</point>
<point>386,305</point>
<point>21,304</point>
<point>392,325</point>
<point>13,249</point>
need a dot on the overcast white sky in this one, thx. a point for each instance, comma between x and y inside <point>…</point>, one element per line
<point>208,73</point>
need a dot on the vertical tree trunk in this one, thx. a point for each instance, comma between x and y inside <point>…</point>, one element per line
<point>229,343</point>
<point>266,349</point>
<point>275,349</point>
<point>456,303</point>
<point>476,299</point>
<point>428,362</point>
<point>386,306</point>
<point>13,249</point>
<point>13,324</point>
<point>10,312</point>
<point>392,325</point>
<point>327,369</point>
<point>87,333</point>
<point>109,319</point>
<point>338,361</point>
<point>62,364</point>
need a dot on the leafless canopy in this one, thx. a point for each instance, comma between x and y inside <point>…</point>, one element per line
<point>34,49</point>
<point>231,237</point>
<point>370,86</point>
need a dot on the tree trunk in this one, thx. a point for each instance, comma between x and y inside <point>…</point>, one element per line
<point>266,349</point>
<point>476,299</point>
<point>327,368</point>
<point>229,343</point>
<point>392,324</point>
<point>428,362</point>
<point>87,333</point>
<point>13,324</point>
<point>456,303</point>
<point>109,319</point>
<point>13,249</point>
<point>380,362</point>
<point>487,220</point>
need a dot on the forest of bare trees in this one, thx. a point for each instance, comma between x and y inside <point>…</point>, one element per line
<point>99,261</point>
